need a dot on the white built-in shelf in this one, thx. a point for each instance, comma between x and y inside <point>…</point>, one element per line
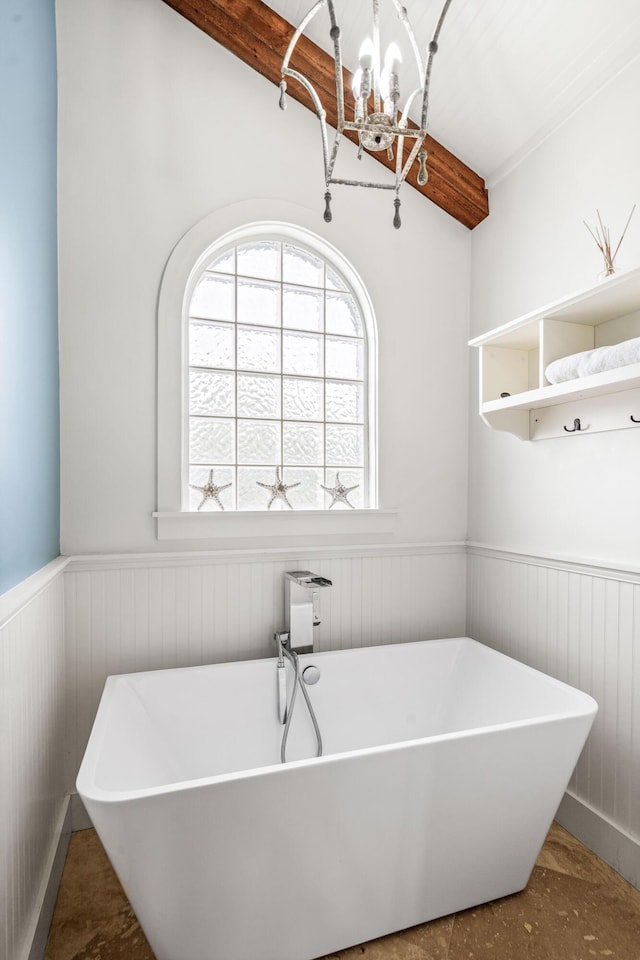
<point>514,357</point>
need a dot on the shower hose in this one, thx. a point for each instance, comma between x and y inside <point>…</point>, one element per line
<point>292,657</point>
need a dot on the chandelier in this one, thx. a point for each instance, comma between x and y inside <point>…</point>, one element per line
<point>379,121</point>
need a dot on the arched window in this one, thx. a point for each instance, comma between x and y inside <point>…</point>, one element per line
<point>279,377</point>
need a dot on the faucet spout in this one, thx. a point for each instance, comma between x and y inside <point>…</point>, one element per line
<point>302,609</point>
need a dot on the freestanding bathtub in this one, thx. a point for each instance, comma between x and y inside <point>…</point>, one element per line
<point>444,765</point>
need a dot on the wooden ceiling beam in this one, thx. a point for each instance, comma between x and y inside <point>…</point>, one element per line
<point>259,36</point>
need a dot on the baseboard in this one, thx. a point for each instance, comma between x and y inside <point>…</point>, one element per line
<point>43,910</point>
<point>80,819</point>
<point>606,840</point>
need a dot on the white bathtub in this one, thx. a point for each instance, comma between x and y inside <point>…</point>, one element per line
<point>444,765</point>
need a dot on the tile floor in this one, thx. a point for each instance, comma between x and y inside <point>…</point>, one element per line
<point>574,908</point>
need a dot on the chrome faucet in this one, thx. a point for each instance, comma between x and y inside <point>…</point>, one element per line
<point>301,608</point>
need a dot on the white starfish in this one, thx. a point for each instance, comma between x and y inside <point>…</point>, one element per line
<point>278,489</point>
<point>339,492</point>
<point>210,491</point>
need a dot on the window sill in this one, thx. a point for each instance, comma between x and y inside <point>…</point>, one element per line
<point>263,523</point>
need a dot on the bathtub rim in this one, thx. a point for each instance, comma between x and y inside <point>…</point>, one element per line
<point>585,706</point>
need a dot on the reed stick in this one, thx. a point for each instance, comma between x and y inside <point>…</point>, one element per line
<point>602,237</point>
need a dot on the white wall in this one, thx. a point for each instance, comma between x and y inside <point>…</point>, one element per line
<point>574,495</point>
<point>159,126</point>
<point>544,504</point>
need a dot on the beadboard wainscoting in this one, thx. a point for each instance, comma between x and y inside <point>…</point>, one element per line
<point>579,622</point>
<point>33,824</point>
<point>145,612</point>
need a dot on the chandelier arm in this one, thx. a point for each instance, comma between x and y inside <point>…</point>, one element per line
<point>402,16</point>
<point>364,183</point>
<point>337,51</point>
<point>433,46</point>
<point>412,155</point>
<point>334,155</point>
<point>409,103</point>
<point>296,36</point>
<point>376,62</point>
<point>399,156</point>
<point>412,133</point>
<point>320,112</point>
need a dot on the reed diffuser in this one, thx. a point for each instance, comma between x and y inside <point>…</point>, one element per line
<point>602,237</point>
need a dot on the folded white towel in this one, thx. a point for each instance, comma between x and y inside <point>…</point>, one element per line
<point>594,361</point>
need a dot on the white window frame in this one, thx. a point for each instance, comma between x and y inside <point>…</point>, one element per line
<point>174,520</point>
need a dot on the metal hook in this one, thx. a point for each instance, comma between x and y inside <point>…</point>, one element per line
<point>576,426</point>
<point>633,419</point>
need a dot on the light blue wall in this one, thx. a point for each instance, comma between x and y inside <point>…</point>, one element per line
<point>29,417</point>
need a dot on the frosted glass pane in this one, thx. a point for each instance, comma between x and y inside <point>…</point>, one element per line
<point>212,394</point>
<point>343,315</point>
<point>258,441</point>
<point>199,476</point>
<point>309,495</point>
<point>259,258</point>
<point>345,401</point>
<point>334,282</point>
<point>258,303</point>
<point>211,344</point>
<point>211,441</point>
<point>224,262</point>
<point>303,443</point>
<point>250,495</point>
<point>258,396</point>
<point>345,445</point>
<point>258,349</point>
<point>302,353</point>
<point>213,298</point>
<point>300,266</point>
<point>345,358</point>
<point>349,476</point>
<point>302,308</point>
<point>302,399</point>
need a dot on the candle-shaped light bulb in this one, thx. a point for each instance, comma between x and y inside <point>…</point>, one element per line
<point>356,83</point>
<point>392,58</point>
<point>366,54</point>
<point>384,84</point>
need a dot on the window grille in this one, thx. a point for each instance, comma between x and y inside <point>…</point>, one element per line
<point>277,380</point>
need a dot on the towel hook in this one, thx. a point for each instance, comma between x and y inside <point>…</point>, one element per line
<point>633,419</point>
<point>576,426</point>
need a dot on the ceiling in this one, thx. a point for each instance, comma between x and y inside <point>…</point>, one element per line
<point>508,72</point>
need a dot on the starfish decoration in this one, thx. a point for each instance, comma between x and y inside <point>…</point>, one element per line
<point>339,492</point>
<point>210,491</point>
<point>278,489</point>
